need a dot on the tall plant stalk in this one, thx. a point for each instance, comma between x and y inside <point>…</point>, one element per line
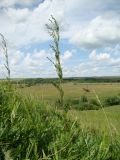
<point>53,29</point>
<point>5,51</point>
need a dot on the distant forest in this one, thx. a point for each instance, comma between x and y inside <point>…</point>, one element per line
<point>35,81</point>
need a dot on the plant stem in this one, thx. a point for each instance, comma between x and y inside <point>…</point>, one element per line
<point>53,30</point>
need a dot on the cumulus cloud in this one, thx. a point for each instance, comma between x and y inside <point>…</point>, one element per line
<point>17,15</point>
<point>24,64</point>
<point>67,55</point>
<point>99,57</point>
<point>28,26</point>
<point>11,3</point>
<point>100,32</point>
<point>32,64</point>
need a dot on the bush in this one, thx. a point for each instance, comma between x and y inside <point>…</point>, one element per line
<point>110,101</point>
<point>94,102</point>
<point>86,104</point>
<point>71,102</point>
<point>75,101</point>
<point>83,99</point>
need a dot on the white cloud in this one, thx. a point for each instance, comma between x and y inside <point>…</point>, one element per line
<point>15,57</point>
<point>67,55</point>
<point>99,57</point>
<point>115,62</point>
<point>113,50</point>
<point>34,64</point>
<point>17,15</point>
<point>28,26</point>
<point>100,32</point>
<point>9,3</point>
<point>25,64</point>
<point>40,54</point>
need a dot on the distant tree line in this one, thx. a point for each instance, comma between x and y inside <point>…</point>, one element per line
<point>35,81</point>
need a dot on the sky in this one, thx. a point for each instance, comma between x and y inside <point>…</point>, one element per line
<point>89,43</point>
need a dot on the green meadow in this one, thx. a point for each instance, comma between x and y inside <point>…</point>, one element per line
<point>96,120</point>
<point>72,90</point>
<point>105,119</point>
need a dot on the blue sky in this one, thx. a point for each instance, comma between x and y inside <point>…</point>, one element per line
<point>90,37</point>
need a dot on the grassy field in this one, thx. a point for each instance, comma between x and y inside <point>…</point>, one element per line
<point>91,119</point>
<point>49,92</point>
<point>97,119</point>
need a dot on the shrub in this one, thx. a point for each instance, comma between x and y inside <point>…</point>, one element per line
<point>110,101</point>
<point>94,102</point>
<point>75,101</point>
<point>86,104</point>
<point>71,102</point>
<point>83,99</point>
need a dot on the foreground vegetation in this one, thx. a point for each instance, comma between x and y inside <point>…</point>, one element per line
<point>30,129</point>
